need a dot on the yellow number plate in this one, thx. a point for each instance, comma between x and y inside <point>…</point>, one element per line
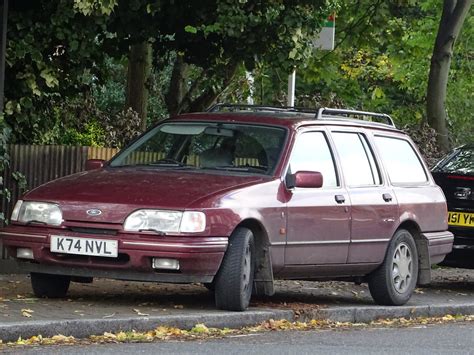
<point>464,219</point>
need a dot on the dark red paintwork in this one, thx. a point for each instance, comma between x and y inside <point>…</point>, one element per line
<point>310,232</point>
<point>308,179</point>
<point>92,164</point>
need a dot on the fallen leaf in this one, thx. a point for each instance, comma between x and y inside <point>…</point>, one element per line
<point>140,313</point>
<point>109,315</point>
<point>25,312</point>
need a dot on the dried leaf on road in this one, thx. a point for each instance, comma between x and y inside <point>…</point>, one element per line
<point>109,315</point>
<point>140,313</point>
<point>25,312</point>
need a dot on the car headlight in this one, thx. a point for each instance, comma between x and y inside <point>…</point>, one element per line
<point>165,221</point>
<point>39,212</point>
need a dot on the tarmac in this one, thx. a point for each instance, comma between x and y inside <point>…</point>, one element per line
<point>111,306</point>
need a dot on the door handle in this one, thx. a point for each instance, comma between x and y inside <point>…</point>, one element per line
<point>340,198</point>
<point>387,197</point>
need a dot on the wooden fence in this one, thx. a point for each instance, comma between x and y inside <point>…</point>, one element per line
<point>43,163</point>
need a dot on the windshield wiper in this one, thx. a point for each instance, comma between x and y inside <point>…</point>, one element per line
<point>167,162</point>
<point>245,169</point>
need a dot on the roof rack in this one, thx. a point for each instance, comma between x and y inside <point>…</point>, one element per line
<point>321,114</point>
<point>347,113</point>
<point>269,108</point>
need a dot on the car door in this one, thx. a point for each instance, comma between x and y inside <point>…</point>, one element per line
<point>318,224</point>
<point>374,210</point>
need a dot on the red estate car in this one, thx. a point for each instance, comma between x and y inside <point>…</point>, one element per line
<point>237,199</point>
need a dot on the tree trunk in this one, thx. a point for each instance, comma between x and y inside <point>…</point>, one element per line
<point>178,86</point>
<point>182,97</point>
<point>452,19</point>
<point>139,68</point>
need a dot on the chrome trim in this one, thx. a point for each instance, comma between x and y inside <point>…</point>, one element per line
<point>277,243</point>
<point>25,235</point>
<point>319,242</point>
<point>370,240</point>
<point>437,239</point>
<point>183,246</point>
<point>94,212</point>
<point>441,237</point>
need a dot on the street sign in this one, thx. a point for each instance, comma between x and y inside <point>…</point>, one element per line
<point>325,40</point>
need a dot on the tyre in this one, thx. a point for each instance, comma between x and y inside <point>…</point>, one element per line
<point>50,286</point>
<point>234,281</point>
<point>210,286</point>
<point>394,281</point>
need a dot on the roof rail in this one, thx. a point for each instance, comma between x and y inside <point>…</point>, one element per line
<point>346,113</point>
<point>244,107</point>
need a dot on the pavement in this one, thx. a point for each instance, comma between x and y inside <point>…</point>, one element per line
<point>110,306</point>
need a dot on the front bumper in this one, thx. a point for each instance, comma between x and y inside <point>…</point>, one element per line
<point>199,257</point>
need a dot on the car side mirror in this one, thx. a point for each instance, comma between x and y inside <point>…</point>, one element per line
<point>92,164</point>
<point>308,179</point>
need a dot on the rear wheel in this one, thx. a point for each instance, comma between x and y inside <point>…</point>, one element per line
<point>50,286</point>
<point>394,281</point>
<point>234,281</point>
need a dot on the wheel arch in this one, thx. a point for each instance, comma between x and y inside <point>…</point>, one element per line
<point>263,279</point>
<point>424,263</point>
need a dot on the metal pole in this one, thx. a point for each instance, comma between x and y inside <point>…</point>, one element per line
<point>291,89</point>
<point>250,81</point>
<point>3,43</point>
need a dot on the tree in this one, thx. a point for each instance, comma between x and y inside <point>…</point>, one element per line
<point>207,41</point>
<point>53,53</point>
<point>452,19</point>
<point>139,68</point>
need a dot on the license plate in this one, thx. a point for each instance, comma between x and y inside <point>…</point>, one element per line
<point>464,219</point>
<point>84,246</point>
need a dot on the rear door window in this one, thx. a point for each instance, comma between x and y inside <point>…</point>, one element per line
<point>357,159</point>
<point>401,161</point>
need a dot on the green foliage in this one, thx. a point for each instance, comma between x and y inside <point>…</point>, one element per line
<point>89,7</point>
<point>52,53</point>
<point>4,161</point>
<point>92,134</point>
<point>382,62</point>
<point>66,61</point>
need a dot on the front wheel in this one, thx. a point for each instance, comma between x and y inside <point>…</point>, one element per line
<point>394,281</point>
<point>234,281</point>
<point>50,286</point>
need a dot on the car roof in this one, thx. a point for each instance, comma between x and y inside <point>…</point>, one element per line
<point>290,120</point>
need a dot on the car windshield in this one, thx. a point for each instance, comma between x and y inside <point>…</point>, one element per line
<point>206,145</point>
<point>460,161</point>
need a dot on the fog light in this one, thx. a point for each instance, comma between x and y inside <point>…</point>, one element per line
<point>24,253</point>
<point>165,264</point>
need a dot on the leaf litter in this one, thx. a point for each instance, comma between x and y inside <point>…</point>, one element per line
<point>202,332</point>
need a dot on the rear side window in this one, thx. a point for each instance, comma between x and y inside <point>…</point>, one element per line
<point>401,161</point>
<point>357,159</point>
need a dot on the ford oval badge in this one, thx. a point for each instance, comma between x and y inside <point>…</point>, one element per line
<point>94,212</point>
